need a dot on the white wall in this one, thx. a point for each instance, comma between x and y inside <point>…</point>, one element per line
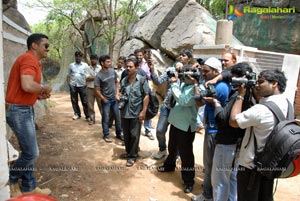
<point>4,188</point>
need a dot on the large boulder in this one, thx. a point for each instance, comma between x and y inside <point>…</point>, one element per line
<point>170,26</point>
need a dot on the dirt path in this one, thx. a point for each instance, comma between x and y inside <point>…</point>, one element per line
<point>76,163</point>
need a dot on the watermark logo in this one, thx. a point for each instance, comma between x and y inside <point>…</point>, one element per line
<point>234,13</point>
<point>263,13</point>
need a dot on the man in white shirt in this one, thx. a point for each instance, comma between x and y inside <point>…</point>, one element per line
<point>270,86</point>
<point>91,97</point>
<point>76,79</point>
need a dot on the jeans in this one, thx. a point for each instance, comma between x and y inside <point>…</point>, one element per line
<point>74,91</point>
<point>208,154</point>
<point>107,108</point>
<point>147,126</point>
<point>223,175</point>
<point>21,119</point>
<point>162,126</point>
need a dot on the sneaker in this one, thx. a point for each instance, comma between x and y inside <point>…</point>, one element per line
<point>76,116</point>
<point>200,198</point>
<point>150,136</point>
<point>159,155</point>
<point>15,190</point>
<point>42,191</point>
<point>120,137</point>
<point>107,139</point>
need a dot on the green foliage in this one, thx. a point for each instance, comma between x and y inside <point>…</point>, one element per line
<point>82,23</point>
<point>216,7</point>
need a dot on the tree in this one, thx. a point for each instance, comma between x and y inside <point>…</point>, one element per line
<point>84,22</point>
<point>215,7</point>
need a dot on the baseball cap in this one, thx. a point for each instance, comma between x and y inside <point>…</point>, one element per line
<point>214,63</point>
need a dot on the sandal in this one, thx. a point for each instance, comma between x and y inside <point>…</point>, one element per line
<point>130,162</point>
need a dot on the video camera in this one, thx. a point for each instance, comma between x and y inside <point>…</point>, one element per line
<point>209,91</point>
<point>249,80</point>
<point>183,74</point>
<point>123,101</point>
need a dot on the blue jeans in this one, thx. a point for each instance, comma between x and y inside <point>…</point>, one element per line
<point>147,126</point>
<point>21,118</point>
<point>223,175</point>
<point>208,154</point>
<point>110,106</point>
<point>162,127</point>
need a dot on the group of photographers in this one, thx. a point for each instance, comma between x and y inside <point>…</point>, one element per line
<point>231,95</point>
<point>228,91</point>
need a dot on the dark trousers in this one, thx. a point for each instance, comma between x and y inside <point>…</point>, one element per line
<point>131,132</point>
<point>81,91</point>
<point>183,142</point>
<point>252,186</point>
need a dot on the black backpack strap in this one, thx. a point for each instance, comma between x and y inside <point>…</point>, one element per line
<point>277,112</point>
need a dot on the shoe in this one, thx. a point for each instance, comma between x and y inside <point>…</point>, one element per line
<point>130,162</point>
<point>200,198</point>
<point>107,139</point>
<point>188,188</point>
<point>120,137</point>
<point>159,155</point>
<point>165,169</point>
<point>76,116</point>
<point>15,190</point>
<point>124,156</point>
<point>37,190</point>
<point>91,122</point>
<point>150,136</point>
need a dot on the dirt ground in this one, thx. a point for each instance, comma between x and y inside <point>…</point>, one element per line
<point>76,163</point>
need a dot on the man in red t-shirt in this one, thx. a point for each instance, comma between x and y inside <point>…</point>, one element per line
<point>23,89</point>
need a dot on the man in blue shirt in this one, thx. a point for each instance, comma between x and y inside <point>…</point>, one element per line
<point>211,68</point>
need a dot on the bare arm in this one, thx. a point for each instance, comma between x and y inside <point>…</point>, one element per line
<point>142,114</point>
<point>99,94</point>
<point>30,86</point>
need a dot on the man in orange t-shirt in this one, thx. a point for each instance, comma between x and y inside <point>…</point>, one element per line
<point>23,89</point>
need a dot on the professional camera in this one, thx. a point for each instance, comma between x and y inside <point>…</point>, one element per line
<point>209,91</point>
<point>249,80</point>
<point>123,101</point>
<point>184,74</point>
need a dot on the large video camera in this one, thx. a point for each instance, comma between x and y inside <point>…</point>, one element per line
<point>209,91</point>
<point>183,74</point>
<point>249,80</point>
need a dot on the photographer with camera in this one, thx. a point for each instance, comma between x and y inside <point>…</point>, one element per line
<point>212,67</point>
<point>228,60</point>
<point>228,141</point>
<point>182,118</point>
<point>185,57</point>
<point>259,122</point>
<point>133,106</point>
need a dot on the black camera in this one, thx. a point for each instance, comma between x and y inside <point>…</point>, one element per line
<point>123,101</point>
<point>249,80</point>
<point>209,91</point>
<point>183,74</point>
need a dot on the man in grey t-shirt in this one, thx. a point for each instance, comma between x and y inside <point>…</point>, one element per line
<point>107,89</point>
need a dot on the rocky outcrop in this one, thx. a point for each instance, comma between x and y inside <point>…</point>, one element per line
<point>170,26</point>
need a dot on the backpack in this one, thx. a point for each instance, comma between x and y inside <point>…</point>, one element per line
<point>153,105</point>
<point>280,158</point>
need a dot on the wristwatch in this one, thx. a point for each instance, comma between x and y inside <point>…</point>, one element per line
<point>239,97</point>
